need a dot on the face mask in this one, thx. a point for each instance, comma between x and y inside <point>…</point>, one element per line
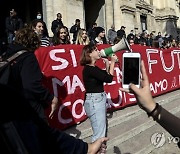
<point>38,16</point>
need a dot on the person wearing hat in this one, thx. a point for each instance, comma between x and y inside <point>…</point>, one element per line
<point>13,23</point>
<point>121,32</point>
<point>100,36</point>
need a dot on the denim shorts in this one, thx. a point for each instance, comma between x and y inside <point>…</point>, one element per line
<point>95,107</point>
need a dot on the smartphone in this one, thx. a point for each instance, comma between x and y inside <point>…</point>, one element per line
<point>131,69</point>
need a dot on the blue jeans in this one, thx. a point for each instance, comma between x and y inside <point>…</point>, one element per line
<point>95,107</point>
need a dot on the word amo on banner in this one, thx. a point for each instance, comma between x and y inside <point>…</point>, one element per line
<point>164,84</point>
<point>174,54</point>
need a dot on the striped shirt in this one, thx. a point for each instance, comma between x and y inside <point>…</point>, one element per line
<point>45,42</point>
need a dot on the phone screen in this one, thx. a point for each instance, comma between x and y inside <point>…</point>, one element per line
<point>131,70</point>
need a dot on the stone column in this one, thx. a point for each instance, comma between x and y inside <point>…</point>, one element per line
<point>149,23</point>
<point>138,22</point>
<point>117,14</point>
<point>109,13</point>
<point>48,14</point>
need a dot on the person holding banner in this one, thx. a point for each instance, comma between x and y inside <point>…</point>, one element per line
<point>95,96</point>
<point>145,101</point>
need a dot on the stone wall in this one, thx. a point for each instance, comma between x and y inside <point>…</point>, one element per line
<point>158,14</point>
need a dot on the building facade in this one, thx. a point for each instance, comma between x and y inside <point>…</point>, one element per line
<point>150,15</point>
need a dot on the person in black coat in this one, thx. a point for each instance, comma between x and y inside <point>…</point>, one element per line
<point>13,23</point>
<point>74,29</point>
<point>57,23</point>
<point>121,32</point>
<point>92,32</point>
<point>26,76</point>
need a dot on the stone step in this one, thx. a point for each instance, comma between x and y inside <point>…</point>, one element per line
<point>169,147</point>
<point>137,140</point>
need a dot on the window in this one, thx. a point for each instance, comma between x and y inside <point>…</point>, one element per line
<point>143,19</point>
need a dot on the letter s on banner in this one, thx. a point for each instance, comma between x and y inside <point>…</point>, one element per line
<point>62,60</point>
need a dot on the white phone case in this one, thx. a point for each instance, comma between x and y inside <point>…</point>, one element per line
<point>131,69</point>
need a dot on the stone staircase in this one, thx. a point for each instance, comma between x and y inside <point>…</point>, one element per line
<point>130,130</point>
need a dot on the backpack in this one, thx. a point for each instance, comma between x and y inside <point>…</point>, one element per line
<point>5,67</point>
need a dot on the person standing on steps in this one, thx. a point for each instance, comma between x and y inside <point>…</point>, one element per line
<point>13,23</point>
<point>95,96</point>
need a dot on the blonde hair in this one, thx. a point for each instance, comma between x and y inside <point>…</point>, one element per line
<point>80,40</point>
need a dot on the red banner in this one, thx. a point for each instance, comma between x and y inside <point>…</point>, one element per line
<point>63,76</point>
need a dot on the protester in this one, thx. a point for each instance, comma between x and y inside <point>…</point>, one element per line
<point>74,29</point>
<point>38,27</point>
<point>121,32</point>
<point>22,131</point>
<point>95,96</point>
<point>57,23</point>
<point>26,76</point>
<point>92,32</point>
<point>131,35</point>
<point>112,34</point>
<point>131,42</point>
<point>61,36</point>
<point>145,101</point>
<point>82,37</point>
<point>13,23</point>
<point>45,30</point>
<point>100,36</point>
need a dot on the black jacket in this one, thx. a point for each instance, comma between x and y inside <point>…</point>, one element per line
<point>55,24</point>
<point>13,24</point>
<point>74,29</point>
<point>26,77</point>
<point>121,33</point>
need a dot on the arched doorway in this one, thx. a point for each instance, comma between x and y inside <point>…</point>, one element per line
<point>93,11</point>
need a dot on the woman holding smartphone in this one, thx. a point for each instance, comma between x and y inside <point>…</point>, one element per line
<point>95,97</point>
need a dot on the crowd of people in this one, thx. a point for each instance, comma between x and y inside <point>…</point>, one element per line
<point>26,82</point>
<point>96,34</point>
